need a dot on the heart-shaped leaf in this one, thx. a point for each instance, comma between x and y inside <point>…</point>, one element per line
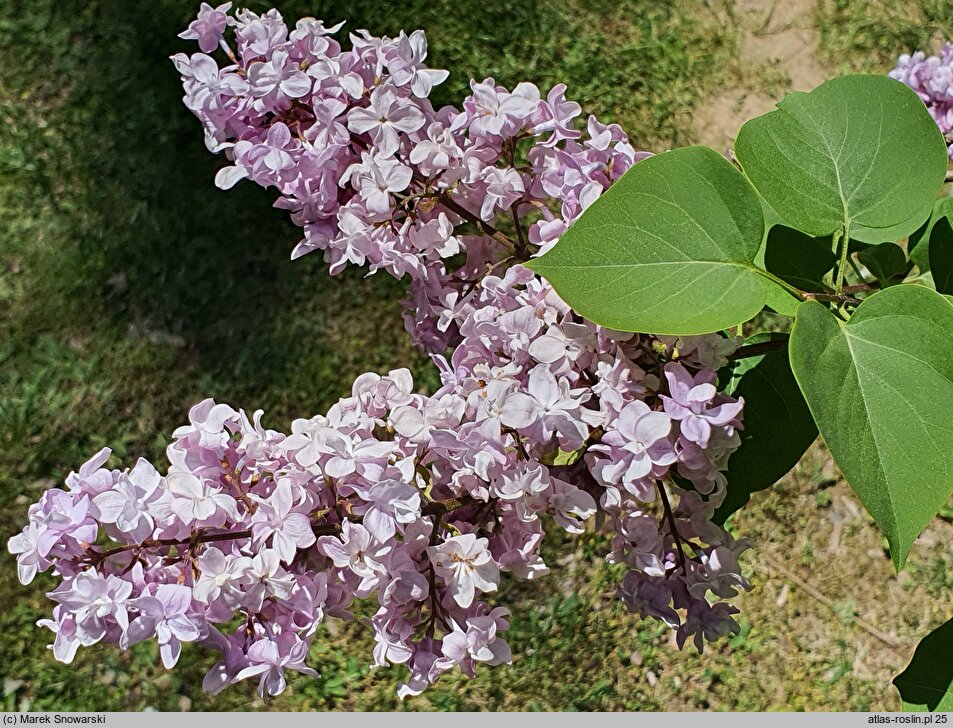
<point>893,233</point>
<point>880,388</point>
<point>885,261</point>
<point>778,427</point>
<point>927,683</point>
<point>798,259</point>
<point>781,301</point>
<point>668,249</point>
<point>941,255</point>
<point>858,152</point>
<point>918,246</point>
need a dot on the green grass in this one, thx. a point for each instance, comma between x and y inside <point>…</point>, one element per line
<point>868,35</point>
<point>130,288</point>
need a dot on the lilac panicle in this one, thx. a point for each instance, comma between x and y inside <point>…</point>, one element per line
<point>417,503</point>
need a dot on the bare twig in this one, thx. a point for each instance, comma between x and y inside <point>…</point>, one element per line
<point>834,297</point>
<point>817,596</point>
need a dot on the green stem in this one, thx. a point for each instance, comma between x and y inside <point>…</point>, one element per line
<point>841,237</point>
<point>784,284</point>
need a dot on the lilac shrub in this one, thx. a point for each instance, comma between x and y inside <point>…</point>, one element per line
<point>417,503</point>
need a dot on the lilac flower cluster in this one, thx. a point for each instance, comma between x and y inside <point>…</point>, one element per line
<point>932,78</point>
<point>375,174</point>
<point>416,503</point>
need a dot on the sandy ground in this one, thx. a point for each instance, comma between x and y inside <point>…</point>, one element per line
<point>778,36</point>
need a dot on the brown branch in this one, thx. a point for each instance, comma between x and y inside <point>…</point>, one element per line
<point>194,540</point>
<point>92,556</point>
<point>523,242</point>
<point>764,347</point>
<point>470,285</point>
<point>860,287</point>
<point>452,205</point>
<point>431,623</point>
<point>519,441</point>
<point>444,199</point>
<point>670,517</point>
<point>326,529</point>
<point>834,297</point>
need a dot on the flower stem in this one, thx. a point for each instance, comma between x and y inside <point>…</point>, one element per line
<point>670,517</point>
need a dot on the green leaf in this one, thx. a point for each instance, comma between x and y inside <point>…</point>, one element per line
<point>799,259</point>
<point>894,232</point>
<point>778,427</point>
<point>927,683</point>
<point>885,261</point>
<point>941,255</point>
<point>668,249</point>
<point>781,301</point>
<point>918,246</point>
<point>860,152</point>
<point>880,388</point>
<point>771,218</point>
<point>795,258</point>
<point>562,457</point>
